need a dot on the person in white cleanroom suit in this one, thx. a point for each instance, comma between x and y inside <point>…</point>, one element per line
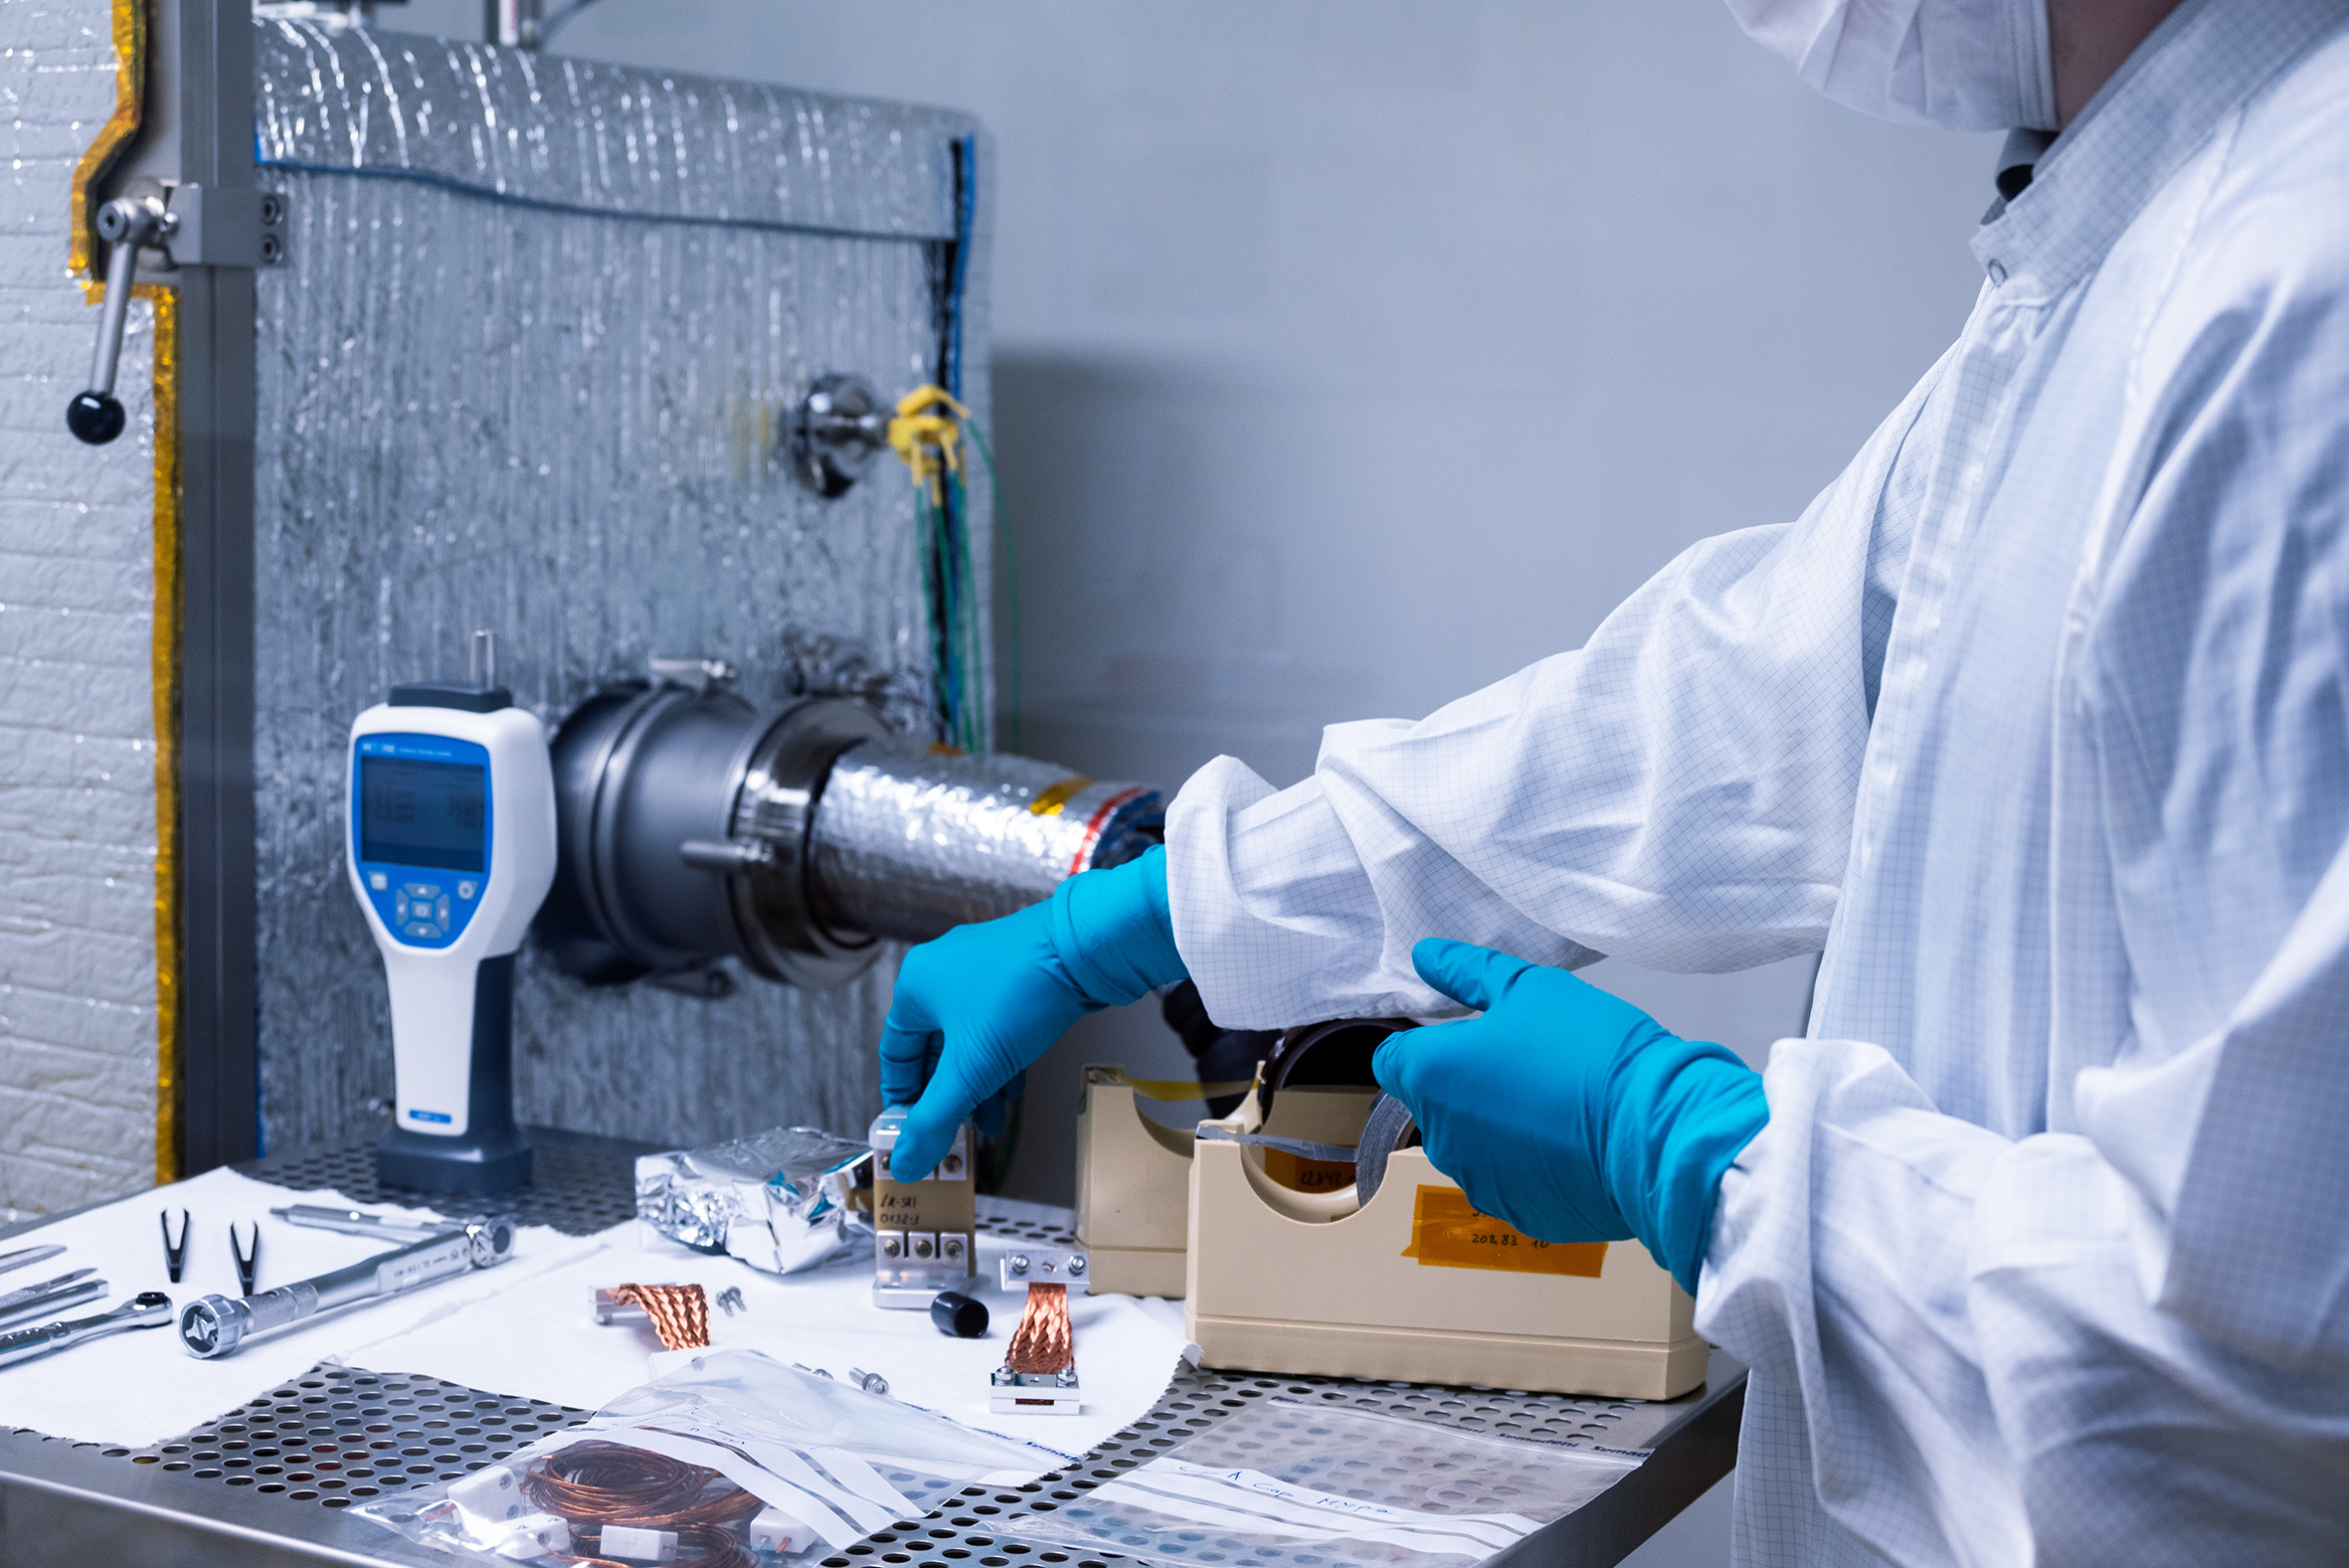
<point>2037,721</point>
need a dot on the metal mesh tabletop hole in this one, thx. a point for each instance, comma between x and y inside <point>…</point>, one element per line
<point>336,1435</point>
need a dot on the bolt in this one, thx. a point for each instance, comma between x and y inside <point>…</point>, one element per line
<point>892,1247</point>
<point>951,1247</point>
<point>1076,1266</point>
<point>1019,1263</point>
<point>923,1248</point>
<point>951,1165</point>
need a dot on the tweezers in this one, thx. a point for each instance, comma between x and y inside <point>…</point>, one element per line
<point>248,1262</point>
<point>175,1254</point>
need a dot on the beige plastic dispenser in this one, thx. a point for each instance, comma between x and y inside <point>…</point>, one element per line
<point>1133,1190</point>
<point>1289,1273</point>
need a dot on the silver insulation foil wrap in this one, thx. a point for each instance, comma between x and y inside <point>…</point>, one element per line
<point>908,841</point>
<point>781,1200</point>
<point>525,366</point>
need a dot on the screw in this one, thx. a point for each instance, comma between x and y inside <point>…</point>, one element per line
<point>1076,1266</point>
<point>922,1248</point>
<point>951,1247</point>
<point>951,1165</point>
<point>1019,1263</point>
<point>872,1383</point>
<point>892,1247</point>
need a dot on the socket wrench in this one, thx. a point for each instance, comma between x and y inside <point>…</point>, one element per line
<point>147,1309</point>
<point>215,1326</point>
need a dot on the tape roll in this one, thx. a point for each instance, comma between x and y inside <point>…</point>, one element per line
<point>1390,1124</point>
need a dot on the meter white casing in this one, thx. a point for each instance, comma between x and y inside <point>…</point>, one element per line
<point>441,909</point>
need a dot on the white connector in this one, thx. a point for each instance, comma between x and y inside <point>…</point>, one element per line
<point>535,1535</point>
<point>777,1531</point>
<point>629,1543</point>
<point>491,1493</point>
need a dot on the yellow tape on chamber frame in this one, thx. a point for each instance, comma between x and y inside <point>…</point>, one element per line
<point>1447,1232</point>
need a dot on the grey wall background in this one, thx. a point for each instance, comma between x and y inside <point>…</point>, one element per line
<point>1353,353</point>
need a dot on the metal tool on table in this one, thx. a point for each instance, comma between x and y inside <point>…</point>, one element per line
<point>247,1259</point>
<point>147,1309</point>
<point>28,1257</point>
<point>358,1222</point>
<point>216,1324</point>
<point>451,848</point>
<point>924,1230</point>
<point>175,1252</point>
<point>63,1291</point>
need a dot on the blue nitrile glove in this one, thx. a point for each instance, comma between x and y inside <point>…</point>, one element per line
<point>975,1007</point>
<point>1568,1112</point>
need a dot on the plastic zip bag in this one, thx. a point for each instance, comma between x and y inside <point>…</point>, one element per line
<point>1289,1482</point>
<point>728,1459</point>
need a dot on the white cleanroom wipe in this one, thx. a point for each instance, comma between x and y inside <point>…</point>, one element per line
<point>134,1389</point>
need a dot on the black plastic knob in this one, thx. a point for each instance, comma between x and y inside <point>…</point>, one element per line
<point>95,416</point>
<point>958,1316</point>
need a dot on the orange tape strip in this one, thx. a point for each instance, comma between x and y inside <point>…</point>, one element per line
<point>1448,1233</point>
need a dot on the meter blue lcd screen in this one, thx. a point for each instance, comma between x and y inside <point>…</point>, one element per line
<point>420,813</point>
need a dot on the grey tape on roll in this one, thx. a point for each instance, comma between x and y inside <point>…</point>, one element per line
<point>1303,1149</point>
<point>1388,1125</point>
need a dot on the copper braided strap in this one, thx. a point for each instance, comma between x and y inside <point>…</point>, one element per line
<point>680,1314</point>
<point>1044,1341</point>
<point>591,1485</point>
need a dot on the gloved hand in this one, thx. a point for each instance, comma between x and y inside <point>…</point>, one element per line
<point>975,1007</point>
<point>1568,1112</point>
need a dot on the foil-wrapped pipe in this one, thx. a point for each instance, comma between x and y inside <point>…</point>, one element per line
<point>695,827</point>
<point>909,841</point>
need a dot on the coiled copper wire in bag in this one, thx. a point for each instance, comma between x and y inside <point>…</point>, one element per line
<point>680,1314</point>
<point>1046,1340</point>
<point>591,1485</point>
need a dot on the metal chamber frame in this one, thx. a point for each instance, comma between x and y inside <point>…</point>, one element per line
<point>523,366</point>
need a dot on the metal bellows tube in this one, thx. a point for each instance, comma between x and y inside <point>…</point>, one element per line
<point>696,827</point>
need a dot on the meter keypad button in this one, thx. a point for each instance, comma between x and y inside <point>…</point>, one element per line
<point>467,890</point>
<point>419,930</point>
<point>440,909</point>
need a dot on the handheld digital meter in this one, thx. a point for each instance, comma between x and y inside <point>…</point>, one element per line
<point>450,846</point>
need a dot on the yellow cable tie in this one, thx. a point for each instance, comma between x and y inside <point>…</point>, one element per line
<point>925,398</point>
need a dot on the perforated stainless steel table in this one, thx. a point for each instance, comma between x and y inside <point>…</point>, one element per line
<point>268,1483</point>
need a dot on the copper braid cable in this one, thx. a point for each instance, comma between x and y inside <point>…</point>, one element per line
<point>591,1485</point>
<point>680,1314</point>
<point>1044,1341</point>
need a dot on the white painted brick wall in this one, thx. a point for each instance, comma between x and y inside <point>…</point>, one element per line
<point>76,611</point>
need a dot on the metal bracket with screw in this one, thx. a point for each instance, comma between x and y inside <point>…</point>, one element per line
<point>1044,1266</point>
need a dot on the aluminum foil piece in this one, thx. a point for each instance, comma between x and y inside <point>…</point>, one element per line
<point>778,1200</point>
<point>569,135</point>
<point>909,842</point>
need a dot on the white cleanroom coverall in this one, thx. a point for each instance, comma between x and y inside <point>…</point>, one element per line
<point>2038,722</point>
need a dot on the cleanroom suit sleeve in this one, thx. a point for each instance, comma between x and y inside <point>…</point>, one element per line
<point>2127,1338</point>
<point>1678,792</point>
